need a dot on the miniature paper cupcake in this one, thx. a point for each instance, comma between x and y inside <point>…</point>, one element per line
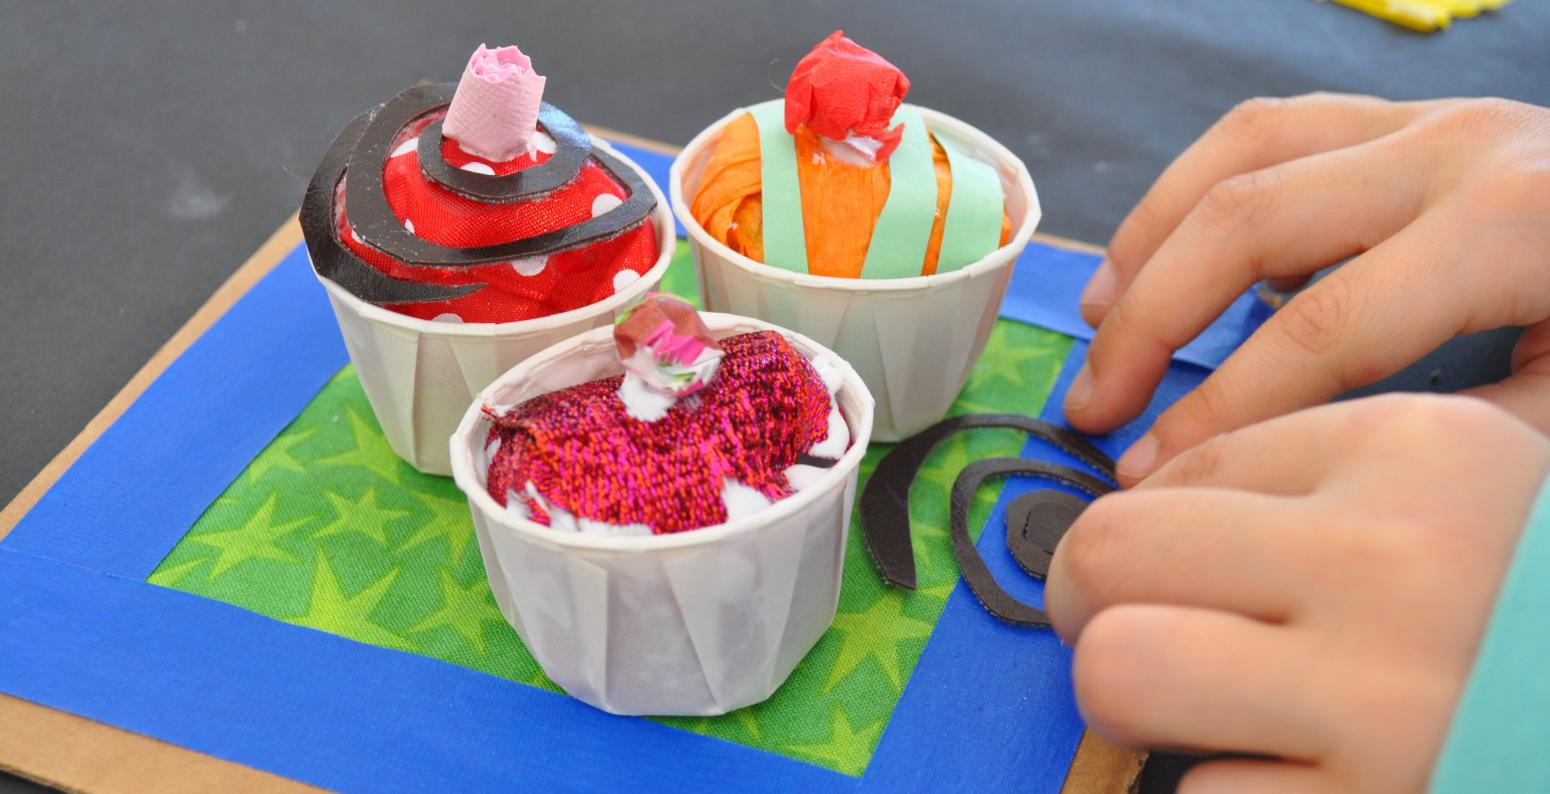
<point>459,229</point>
<point>662,508</point>
<point>884,230</point>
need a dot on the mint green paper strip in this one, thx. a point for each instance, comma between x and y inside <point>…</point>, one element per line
<point>973,225</point>
<point>898,246</point>
<point>1501,729</point>
<point>785,240</point>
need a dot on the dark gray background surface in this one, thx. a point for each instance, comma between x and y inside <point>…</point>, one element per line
<point>148,148</point>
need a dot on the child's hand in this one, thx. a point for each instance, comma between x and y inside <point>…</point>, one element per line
<point>1450,200</point>
<point>1312,588</point>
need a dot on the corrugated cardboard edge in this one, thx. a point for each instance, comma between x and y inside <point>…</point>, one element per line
<point>634,140</point>
<point>1102,768</point>
<point>77,754</point>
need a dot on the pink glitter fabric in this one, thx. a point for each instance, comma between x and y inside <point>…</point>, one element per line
<point>584,454</point>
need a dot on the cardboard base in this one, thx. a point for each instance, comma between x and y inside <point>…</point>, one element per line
<point>77,754</point>
<point>73,753</point>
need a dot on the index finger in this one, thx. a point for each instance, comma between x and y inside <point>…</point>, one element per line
<point>1345,332</point>
<point>1250,227</point>
<point>1255,135</point>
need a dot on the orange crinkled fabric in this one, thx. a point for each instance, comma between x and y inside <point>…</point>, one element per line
<point>840,201</point>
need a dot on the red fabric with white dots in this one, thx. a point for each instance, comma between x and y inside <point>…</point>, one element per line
<point>520,290</point>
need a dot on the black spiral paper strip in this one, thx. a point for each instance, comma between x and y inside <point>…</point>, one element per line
<point>1035,521</point>
<point>360,151</point>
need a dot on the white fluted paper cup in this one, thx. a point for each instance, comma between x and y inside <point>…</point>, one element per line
<point>691,623</point>
<point>420,374</point>
<point>914,340</point>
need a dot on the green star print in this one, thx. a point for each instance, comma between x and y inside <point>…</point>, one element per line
<point>327,528</point>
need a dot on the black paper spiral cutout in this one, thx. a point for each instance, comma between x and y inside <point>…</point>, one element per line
<point>996,600</point>
<point>571,149</point>
<point>339,264</point>
<point>361,150</point>
<point>1035,521</point>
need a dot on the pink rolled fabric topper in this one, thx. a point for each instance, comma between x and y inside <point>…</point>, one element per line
<point>494,113</point>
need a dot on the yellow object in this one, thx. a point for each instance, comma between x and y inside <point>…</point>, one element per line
<point>1424,16</point>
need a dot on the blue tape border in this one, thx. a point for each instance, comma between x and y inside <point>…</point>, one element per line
<point>220,680</point>
<point>80,629</point>
<point>933,741</point>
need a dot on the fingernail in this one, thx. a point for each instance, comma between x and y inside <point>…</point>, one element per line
<point>1139,460</point>
<point>1099,292</point>
<point>1081,391</point>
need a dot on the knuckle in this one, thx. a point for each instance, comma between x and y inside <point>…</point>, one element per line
<point>1367,551</point>
<point>1475,120</point>
<point>1388,413</point>
<point>1111,670</point>
<point>1243,200</point>
<point>1427,411</point>
<point>1092,546</point>
<point>1512,188</point>
<point>1140,229</point>
<point>1466,417</point>
<point>1324,97</point>
<point>1371,412</point>
<point>1202,462</point>
<point>1485,113</point>
<point>1207,406</point>
<point>1532,180</point>
<point>1315,320</point>
<point>1256,118</point>
<point>1130,319</point>
<point>1469,413</point>
<point>1429,418</point>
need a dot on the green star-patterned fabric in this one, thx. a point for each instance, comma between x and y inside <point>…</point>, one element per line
<point>327,528</point>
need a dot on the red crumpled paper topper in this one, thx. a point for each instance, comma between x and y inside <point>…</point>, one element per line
<point>841,89</point>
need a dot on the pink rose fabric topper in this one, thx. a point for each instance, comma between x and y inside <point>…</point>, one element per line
<point>495,111</point>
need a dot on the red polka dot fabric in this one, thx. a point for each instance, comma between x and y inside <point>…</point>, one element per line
<point>519,290</point>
